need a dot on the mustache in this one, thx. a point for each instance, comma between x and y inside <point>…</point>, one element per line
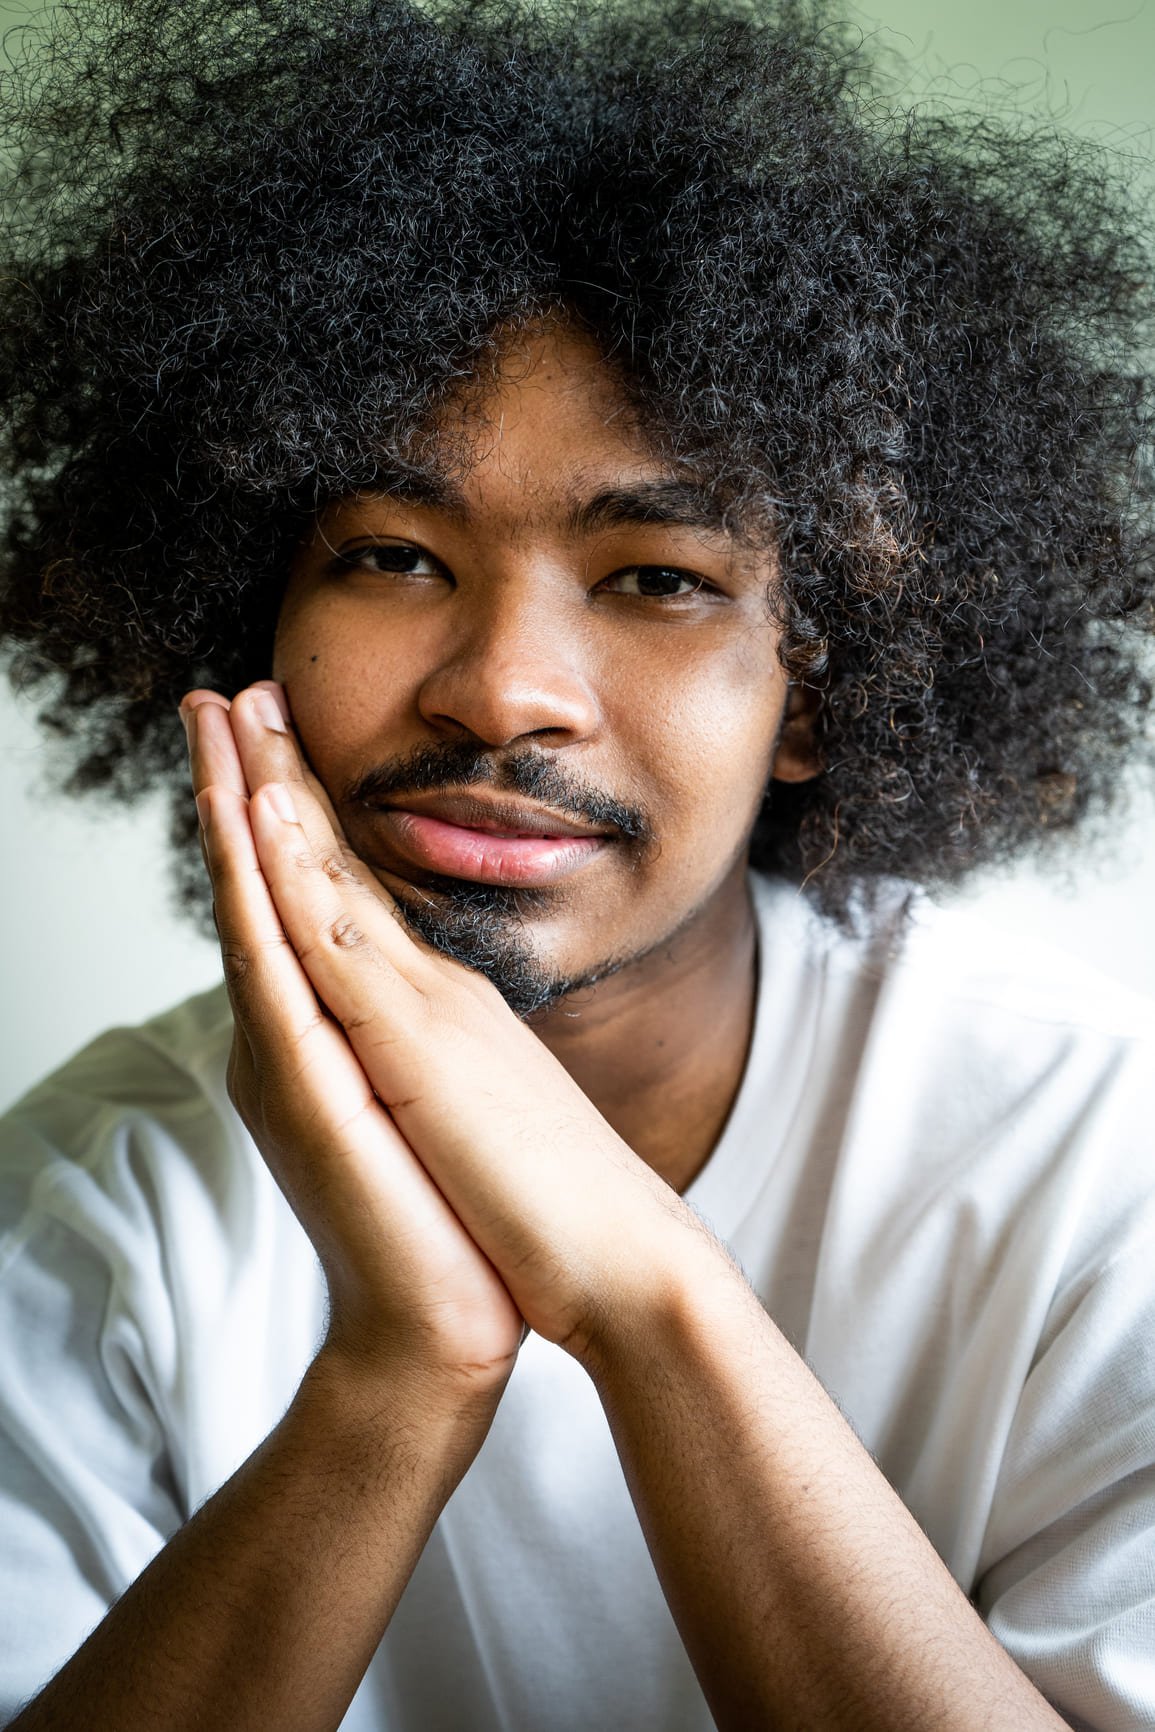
<point>455,765</point>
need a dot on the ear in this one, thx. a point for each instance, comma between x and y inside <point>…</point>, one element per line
<point>796,757</point>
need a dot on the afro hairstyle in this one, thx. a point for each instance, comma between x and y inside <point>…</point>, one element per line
<point>250,246</point>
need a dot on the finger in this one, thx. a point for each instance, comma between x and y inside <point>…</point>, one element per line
<point>288,1039</point>
<point>353,950</point>
<point>213,756</point>
<point>270,753</point>
<point>270,992</point>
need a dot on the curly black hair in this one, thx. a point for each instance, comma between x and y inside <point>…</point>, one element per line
<point>250,246</point>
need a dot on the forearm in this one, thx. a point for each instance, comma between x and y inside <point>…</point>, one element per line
<point>805,1592</point>
<point>266,1608</point>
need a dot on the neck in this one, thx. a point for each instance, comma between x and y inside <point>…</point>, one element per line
<point>660,1047</point>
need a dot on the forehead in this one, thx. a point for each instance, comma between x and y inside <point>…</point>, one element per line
<point>548,432</point>
<point>549,418</point>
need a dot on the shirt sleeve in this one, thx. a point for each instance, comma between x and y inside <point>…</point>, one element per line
<point>159,1303</point>
<point>1067,1582</point>
<point>88,1492</point>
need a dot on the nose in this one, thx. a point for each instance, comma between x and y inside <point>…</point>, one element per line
<point>513,666</point>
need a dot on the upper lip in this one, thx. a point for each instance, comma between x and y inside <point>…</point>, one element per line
<point>476,812</point>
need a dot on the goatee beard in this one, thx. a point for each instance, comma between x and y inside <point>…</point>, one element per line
<point>482,926</point>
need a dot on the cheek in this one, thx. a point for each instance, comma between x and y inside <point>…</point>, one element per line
<point>704,736</point>
<point>346,687</point>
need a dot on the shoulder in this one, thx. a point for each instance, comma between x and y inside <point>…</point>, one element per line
<point>156,1291</point>
<point>949,989</point>
<point>166,1057</point>
<point>135,1121</point>
<point>984,1078</point>
<point>980,964</point>
<point>1015,1042</point>
<point>954,958</point>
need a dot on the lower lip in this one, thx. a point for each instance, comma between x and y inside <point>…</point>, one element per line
<point>479,855</point>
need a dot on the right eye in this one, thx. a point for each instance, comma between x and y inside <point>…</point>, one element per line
<point>401,557</point>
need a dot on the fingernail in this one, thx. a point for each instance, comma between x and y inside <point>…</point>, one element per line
<point>203,810</point>
<point>281,801</point>
<point>188,717</point>
<point>269,710</point>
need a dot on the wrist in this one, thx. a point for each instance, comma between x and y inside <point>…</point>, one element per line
<point>689,1292</point>
<point>381,1400</point>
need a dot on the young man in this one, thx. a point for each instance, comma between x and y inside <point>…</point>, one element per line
<point>598,463</point>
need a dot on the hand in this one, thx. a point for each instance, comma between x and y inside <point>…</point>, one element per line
<point>407,1284</point>
<point>584,1235</point>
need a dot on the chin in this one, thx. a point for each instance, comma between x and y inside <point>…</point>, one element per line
<point>482,927</point>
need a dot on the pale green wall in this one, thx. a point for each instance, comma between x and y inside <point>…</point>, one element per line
<point>1087,57</point>
<point>1093,58</point>
<point>1088,63</point>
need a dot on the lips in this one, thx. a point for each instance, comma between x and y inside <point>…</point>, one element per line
<point>494,816</point>
<point>487,841</point>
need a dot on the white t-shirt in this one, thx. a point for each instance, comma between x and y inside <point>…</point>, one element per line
<point>939,1176</point>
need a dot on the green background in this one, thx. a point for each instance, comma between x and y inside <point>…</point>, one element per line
<point>1088,62</point>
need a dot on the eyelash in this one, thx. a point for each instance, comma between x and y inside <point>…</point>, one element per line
<point>360,557</point>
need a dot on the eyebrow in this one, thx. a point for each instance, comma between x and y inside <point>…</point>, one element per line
<point>666,502</point>
<point>417,485</point>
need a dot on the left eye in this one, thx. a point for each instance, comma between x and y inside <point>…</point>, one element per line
<point>389,556</point>
<point>655,582</point>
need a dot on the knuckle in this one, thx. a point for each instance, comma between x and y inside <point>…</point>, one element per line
<point>238,964</point>
<point>335,866</point>
<point>343,933</point>
<point>249,969</point>
<point>302,1037</point>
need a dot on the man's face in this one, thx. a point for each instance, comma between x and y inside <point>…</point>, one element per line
<point>544,698</point>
